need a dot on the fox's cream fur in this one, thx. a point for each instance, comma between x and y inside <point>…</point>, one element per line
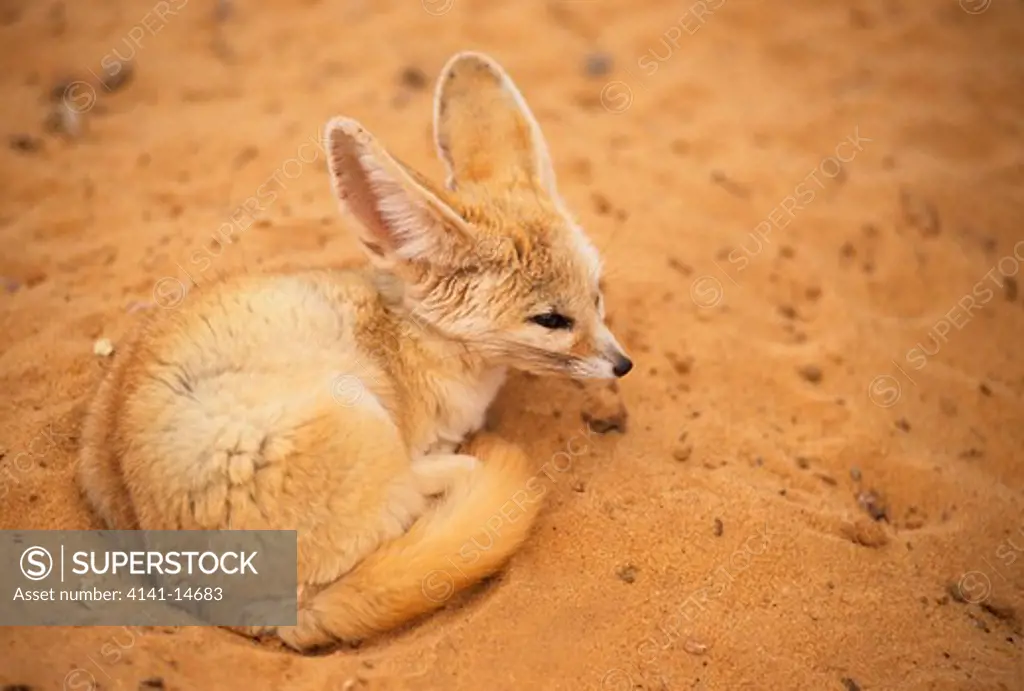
<point>334,403</point>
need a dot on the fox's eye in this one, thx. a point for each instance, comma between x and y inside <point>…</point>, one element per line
<point>552,320</point>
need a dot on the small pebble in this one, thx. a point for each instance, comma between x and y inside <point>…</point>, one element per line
<point>719,527</point>
<point>413,77</point>
<point>874,504</point>
<point>223,10</point>
<point>682,453</point>
<point>598,64</point>
<point>811,373</point>
<point>246,155</point>
<point>626,573</point>
<point>682,365</point>
<point>1010,288</point>
<point>103,347</point>
<point>25,143</point>
<point>978,623</point>
<point>117,75</point>
<point>694,647</point>
<point>601,203</point>
<point>729,185</point>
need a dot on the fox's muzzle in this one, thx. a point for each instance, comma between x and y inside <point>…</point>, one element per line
<point>612,352</point>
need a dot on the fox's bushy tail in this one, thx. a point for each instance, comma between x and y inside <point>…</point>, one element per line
<point>467,537</point>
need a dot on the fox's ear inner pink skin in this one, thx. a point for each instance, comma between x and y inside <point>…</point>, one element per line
<point>398,216</point>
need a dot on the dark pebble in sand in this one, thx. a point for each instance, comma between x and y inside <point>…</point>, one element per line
<point>413,77</point>
<point>117,75</point>
<point>873,503</point>
<point>25,143</point>
<point>598,64</point>
<point>811,373</point>
<point>626,573</point>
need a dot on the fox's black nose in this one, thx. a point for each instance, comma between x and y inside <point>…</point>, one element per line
<point>622,366</point>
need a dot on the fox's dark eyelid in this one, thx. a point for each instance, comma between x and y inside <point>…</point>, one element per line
<point>552,320</point>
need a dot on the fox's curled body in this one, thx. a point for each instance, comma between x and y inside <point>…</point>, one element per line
<point>334,403</point>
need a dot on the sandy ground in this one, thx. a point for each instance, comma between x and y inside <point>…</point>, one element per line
<point>810,214</point>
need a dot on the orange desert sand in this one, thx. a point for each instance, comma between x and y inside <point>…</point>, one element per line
<point>811,219</point>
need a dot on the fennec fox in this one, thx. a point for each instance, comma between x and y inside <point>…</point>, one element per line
<point>333,402</point>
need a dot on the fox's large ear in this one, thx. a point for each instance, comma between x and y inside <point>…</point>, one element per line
<point>483,129</point>
<point>399,216</point>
